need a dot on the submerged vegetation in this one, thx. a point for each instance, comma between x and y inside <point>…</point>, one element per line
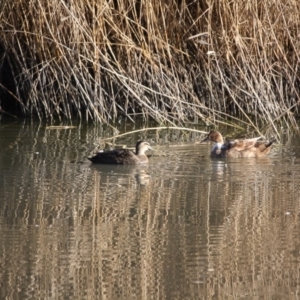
<point>170,60</point>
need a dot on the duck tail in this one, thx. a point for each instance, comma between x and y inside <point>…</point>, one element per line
<point>270,143</point>
<point>91,159</point>
<point>267,147</point>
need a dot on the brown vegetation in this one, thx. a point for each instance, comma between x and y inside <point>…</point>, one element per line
<point>169,60</point>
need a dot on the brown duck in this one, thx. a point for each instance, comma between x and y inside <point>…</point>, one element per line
<point>237,148</point>
<point>123,156</point>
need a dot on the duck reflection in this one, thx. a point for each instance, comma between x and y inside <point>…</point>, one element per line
<point>222,169</point>
<point>124,173</point>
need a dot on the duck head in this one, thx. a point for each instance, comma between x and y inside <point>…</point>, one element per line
<point>141,147</point>
<point>214,136</point>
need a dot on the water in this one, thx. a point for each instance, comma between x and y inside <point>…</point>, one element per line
<point>183,227</point>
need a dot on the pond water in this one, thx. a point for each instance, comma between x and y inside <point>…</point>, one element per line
<point>183,227</point>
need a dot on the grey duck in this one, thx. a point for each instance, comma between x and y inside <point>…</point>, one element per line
<point>123,156</point>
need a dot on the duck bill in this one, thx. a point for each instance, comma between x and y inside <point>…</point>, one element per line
<point>205,140</point>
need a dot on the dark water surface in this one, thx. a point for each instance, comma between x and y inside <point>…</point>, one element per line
<point>183,227</point>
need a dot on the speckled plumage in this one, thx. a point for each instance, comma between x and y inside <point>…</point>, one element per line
<point>123,156</point>
<point>237,148</point>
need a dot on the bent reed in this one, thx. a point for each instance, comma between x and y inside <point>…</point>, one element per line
<point>169,60</point>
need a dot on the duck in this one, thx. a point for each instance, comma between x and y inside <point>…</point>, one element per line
<point>123,156</point>
<point>237,148</point>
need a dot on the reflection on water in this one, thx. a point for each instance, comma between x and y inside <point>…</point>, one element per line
<point>183,227</point>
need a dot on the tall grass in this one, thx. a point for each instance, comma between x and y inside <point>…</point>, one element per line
<point>169,60</point>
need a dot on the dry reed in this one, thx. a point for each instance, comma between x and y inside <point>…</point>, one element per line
<point>169,60</point>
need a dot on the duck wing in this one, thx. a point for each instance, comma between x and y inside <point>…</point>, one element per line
<point>120,157</point>
<point>241,145</point>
